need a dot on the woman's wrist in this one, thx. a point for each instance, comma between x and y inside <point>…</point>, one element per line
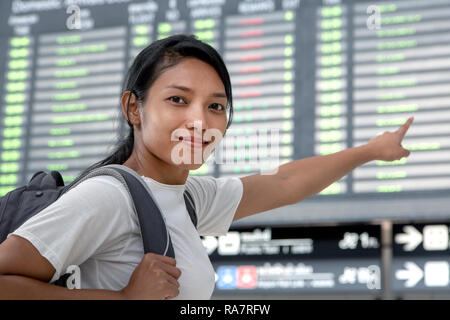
<point>370,152</point>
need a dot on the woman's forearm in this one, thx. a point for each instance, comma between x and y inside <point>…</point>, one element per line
<point>24,288</point>
<point>309,176</point>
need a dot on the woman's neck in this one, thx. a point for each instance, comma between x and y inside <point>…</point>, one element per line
<point>152,167</point>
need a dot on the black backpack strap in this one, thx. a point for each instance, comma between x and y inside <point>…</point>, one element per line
<point>190,206</point>
<point>154,232</point>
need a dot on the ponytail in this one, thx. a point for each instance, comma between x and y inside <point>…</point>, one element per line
<point>122,152</point>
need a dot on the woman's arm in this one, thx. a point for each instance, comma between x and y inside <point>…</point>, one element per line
<point>24,275</point>
<point>300,179</point>
<point>24,288</point>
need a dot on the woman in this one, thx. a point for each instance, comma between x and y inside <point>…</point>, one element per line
<point>177,102</point>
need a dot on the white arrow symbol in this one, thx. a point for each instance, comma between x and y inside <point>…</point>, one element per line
<point>412,274</point>
<point>411,238</point>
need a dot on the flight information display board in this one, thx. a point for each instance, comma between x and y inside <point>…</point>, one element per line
<point>309,78</point>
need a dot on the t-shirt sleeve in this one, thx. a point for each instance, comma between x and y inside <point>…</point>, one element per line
<point>82,222</point>
<point>216,201</point>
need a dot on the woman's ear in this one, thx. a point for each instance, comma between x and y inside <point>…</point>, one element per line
<point>130,108</point>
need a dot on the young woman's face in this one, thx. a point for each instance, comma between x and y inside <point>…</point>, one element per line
<point>184,115</point>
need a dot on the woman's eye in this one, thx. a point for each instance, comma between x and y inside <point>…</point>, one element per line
<point>177,99</point>
<point>217,107</point>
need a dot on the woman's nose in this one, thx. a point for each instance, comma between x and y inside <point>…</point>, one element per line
<point>196,120</point>
<point>197,126</point>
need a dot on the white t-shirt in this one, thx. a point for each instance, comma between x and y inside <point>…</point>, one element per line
<point>93,226</point>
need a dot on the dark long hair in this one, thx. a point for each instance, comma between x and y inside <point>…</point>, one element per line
<point>148,66</point>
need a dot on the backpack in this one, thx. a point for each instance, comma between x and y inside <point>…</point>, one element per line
<point>20,204</point>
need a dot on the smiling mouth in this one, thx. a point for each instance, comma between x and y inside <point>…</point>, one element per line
<point>193,141</point>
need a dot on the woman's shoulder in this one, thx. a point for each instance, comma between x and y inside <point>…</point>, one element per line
<point>207,188</point>
<point>101,183</point>
<point>104,189</point>
<point>106,180</point>
<point>216,200</point>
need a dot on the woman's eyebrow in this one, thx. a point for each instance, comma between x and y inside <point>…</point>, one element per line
<point>183,88</point>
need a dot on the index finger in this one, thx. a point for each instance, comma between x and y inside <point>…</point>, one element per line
<point>404,128</point>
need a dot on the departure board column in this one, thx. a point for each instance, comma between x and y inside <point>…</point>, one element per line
<point>76,103</point>
<point>260,55</point>
<point>207,30</point>
<point>141,35</point>
<point>166,28</point>
<point>15,106</point>
<point>331,86</point>
<point>141,19</point>
<point>402,69</point>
